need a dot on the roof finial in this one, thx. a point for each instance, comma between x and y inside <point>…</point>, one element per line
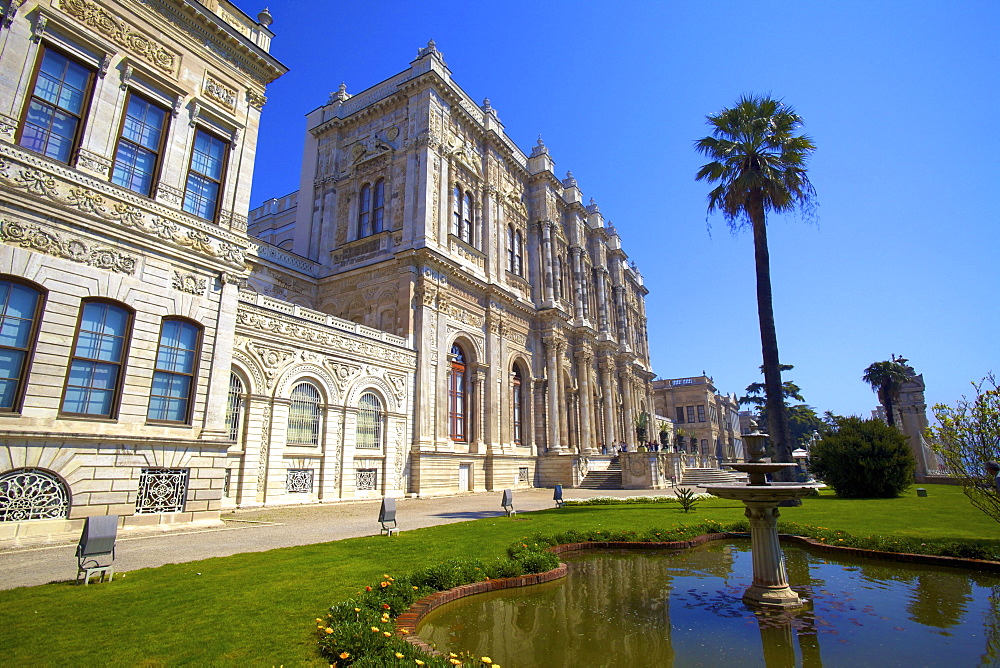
<point>341,94</point>
<point>264,18</point>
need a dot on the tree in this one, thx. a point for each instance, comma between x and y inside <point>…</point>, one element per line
<point>886,378</point>
<point>966,437</point>
<point>759,164</point>
<point>863,459</point>
<point>802,419</point>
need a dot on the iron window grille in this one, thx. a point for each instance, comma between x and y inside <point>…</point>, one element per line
<point>367,479</point>
<point>162,491</point>
<point>299,481</point>
<point>303,415</point>
<point>32,494</point>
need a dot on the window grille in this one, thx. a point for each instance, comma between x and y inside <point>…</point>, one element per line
<point>32,494</point>
<point>226,481</point>
<point>367,479</point>
<point>369,433</point>
<point>162,490</point>
<point>522,474</point>
<point>303,417</point>
<point>234,408</point>
<point>299,481</point>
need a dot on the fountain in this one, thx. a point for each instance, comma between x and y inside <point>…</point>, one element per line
<point>770,582</point>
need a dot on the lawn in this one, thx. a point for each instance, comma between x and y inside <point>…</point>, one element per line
<point>260,608</point>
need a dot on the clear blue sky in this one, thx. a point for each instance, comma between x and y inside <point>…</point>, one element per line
<point>900,98</point>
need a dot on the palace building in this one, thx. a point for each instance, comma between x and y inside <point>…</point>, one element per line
<point>433,311</point>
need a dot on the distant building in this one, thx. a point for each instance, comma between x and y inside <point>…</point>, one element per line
<point>705,421</point>
<point>911,418</point>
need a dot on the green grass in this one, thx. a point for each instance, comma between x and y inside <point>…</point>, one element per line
<point>260,608</point>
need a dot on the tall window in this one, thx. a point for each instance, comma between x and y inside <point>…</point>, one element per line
<point>690,413</point>
<point>557,279</point>
<point>53,119</point>
<point>171,395</point>
<point>516,402</point>
<point>369,432</point>
<point>467,219</point>
<point>680,415</point>
<point>371,209</point>
<point>20,311</point>
<point>515,245</point>
<point>463,216</point>
<point>457,395</point>
<point>98,363</point>
<point>140,145</point>
<point>303,416</point>
<point>234,407</point>
<point>701,412</point>
<point>518,253</point>
<point>205,174</point>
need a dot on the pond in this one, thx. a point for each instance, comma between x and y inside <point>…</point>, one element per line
<point>684,608</point>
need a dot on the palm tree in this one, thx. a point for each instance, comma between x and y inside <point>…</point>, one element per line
<point>759,163</point>
<point>886,378</point>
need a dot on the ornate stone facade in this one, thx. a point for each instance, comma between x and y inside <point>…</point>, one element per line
<point>425,221</point>
<point>705,422</point>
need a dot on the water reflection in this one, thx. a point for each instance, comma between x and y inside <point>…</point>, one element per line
<point>684,609</point>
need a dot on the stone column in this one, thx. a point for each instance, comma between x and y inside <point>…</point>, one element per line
<point>564,405</point>
<point>215,427</point>
<point>552,390</point>
<point>575,254</point>
<point>602,301</point>
<point>478,412</point>
<point>609,405</point>
<point>546,227</point>
<point>619,295</point>
<point>583,360</point>
<point>770,582</point>
<point>627,406</point>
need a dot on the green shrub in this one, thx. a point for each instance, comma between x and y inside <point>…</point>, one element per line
<point>864,459</point>
<point>686,497</point>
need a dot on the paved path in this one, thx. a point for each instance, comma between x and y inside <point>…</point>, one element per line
<point>256,530</point>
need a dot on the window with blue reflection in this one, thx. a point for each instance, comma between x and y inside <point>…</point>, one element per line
<point>173,380</point>
<point>95,371</point>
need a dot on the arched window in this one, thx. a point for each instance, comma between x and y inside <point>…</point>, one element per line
<point>510,248</point>
<point>20,312</point>
<point>467,219</point>
<point>457,395</point>
<point>172,393</point>
<point>518,253</point>
<point>456,220</point>
<point>94,381</point>
<point>516,403</point>
<point>32,494</point>
<point>371,208</point>
<point>303,415</point>
<point>234,407</point>
<point>365,211</point>
<point>369,432</point>
<point>378,206</point>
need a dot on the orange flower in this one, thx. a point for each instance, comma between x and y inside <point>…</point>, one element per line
<point>386,634</point>
<point>344,655</point>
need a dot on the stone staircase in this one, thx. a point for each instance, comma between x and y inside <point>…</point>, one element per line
<point>702,477</point>
<point>610,479</point>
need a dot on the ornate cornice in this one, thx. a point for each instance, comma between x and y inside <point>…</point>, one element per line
<point>120,32</point>
<point>37,177</point>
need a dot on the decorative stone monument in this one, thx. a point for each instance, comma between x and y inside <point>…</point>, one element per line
<point>770,582</point>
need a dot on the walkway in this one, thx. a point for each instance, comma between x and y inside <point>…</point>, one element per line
<point>256,530</point>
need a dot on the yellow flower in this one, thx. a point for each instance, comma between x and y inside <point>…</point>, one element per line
<point>399,655</point>
<point>357,609</point>
<point>403,631</point>
<point>319,620</point>
<point>485,659</point>
<point>455,662</point>
<point>452,654</point>
<point>386,634</point>
<point>418,662</point>
<point>375,629</point>
<point>414,589</point>
<point>329,631</point>
<point>344,655</point>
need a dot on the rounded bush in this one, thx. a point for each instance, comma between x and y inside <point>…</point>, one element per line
<point>864,459</point>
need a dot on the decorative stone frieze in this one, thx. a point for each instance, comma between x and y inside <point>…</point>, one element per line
<point>120,32</point>
<point>255,99</point>
<point>35,179</point>
<point>219,92</point>
<point>48,242</point>
<point>95,164</point>
<point>189,283</point>
<point>8,127</point>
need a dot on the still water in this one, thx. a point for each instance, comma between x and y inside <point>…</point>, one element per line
<point>683,608</point>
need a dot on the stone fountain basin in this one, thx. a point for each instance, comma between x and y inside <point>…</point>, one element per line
<point>758,467</point>
<point>775,491</point>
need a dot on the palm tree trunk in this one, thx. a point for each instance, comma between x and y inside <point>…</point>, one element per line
<point>776,413</point>
<point>890,417</point>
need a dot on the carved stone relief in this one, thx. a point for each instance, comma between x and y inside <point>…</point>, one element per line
<point>189,283</point>
<point>120,32</point>
<point>38,239</point>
